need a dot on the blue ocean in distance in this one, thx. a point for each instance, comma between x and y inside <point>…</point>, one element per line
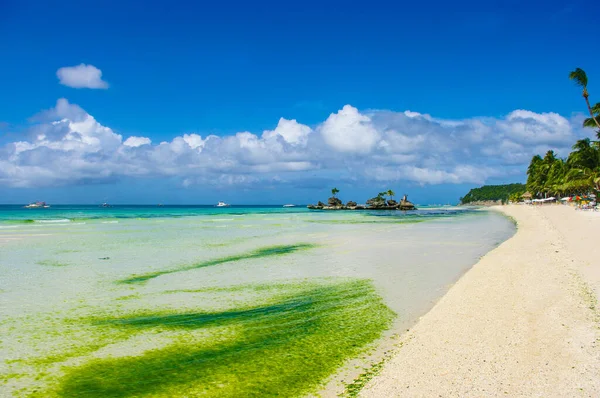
<point>18,213</point>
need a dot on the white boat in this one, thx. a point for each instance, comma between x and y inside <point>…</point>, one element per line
<point>37,205</point>
<point>104,205</point>
<point>289,205</point>
<point>223,204</point>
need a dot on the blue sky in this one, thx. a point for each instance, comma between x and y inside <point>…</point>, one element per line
<point>175,68</point>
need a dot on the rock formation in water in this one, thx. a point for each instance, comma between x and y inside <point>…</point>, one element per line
<point>405,204</point>
<point>376,203</point>
<point>333,201</point>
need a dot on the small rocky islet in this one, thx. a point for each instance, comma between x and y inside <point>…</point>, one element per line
<point>377,203</point>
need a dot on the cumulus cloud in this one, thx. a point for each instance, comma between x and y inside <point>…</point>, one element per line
<point>349,131</point>
<point>290,131</point>
<point>81,76</point>
<point>134,141</point>
<point>531,127</point>
<point>69,146</point>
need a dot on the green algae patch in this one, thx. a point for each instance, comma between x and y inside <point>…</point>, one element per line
<point>18,221</point>
<point>354,388</point>
<point>382,221</point>
<point>128,297</point>
<point>258,287</point>
<point>52,263</point>
<point>255,254</point>
<point>287,346</point>
<point>64,251</point>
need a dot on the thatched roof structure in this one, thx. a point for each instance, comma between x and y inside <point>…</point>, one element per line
<point>527,195</point>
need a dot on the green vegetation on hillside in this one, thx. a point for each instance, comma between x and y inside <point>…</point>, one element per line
<point>493,192</point>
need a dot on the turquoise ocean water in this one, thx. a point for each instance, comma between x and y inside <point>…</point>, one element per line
<point>148,301</point>
<point>17,213</point>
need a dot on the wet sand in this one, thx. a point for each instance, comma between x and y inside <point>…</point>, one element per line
<point>522,322</point>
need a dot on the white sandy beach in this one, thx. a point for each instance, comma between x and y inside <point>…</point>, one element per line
<point>522,322</point>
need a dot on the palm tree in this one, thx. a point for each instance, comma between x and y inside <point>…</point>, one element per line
<point>335,191</point>
<point>544,175</point>
<point>391,193</point>
<point>534,174</point>
<point>584,155</point>
<point>591,122</point>
<point>580,172</point>
<point>580,78</point>
<point>556,178</point>
<point>584,165</point>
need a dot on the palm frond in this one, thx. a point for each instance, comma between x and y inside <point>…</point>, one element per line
<point>582,145</point>
<point>589,122</point>
<point>579,77</point>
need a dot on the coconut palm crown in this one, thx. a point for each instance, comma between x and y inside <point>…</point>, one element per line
<point>591,122</point>
<point>580,78</point>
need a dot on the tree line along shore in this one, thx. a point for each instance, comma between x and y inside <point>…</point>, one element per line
<point>577,175</point>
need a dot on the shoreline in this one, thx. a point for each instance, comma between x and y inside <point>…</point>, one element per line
<point>521,322</point>
<point>229,266</point>
<point>356,372</point>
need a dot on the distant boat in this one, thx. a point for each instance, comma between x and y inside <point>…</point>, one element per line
<point>104,205</point>
<point>223,204</point>
<point>37,205</point>
<point>289,205</point>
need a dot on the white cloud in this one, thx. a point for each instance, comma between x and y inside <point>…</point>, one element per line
<point>134,141</point>
<point>291,131</point>
<point>194,141</point>
<point>81,76</point>
<point>74,130</point>
<point>69,146</point>
<point>534,127</point>
<point>349,131</point>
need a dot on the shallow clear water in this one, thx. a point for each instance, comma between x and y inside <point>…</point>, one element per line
<point>11,214</point>
<point>219,302</point>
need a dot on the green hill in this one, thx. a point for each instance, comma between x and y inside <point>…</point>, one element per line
<point>493,192</point>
